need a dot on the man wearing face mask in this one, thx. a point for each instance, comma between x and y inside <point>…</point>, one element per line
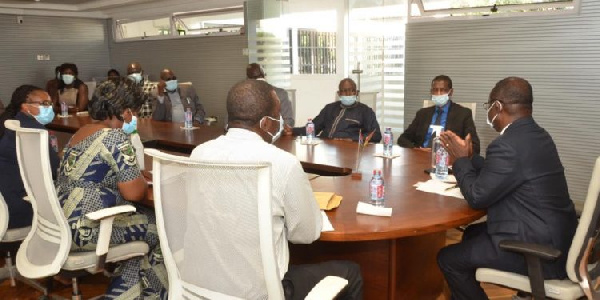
<point>174,100</point>
<point>255,123</point>
<point>135,73</point>
<point>344,119</point>
<point>521,183</point>
<point>445,113</point>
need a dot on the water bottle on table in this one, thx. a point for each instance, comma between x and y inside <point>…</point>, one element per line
<point>377,189</point>
<point>188,118</point>
<point>310,131</point>
<point>388,142</point>
<point>64,109</point>
<point>441,159</point>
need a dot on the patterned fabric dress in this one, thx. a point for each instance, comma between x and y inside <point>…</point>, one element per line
<point>87,182</point>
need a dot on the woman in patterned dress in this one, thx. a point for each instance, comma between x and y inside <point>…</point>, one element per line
<point>99,170</point>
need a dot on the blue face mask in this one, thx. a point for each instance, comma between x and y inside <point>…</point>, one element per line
<point>68,79</point>
<point>348,100</point>
<point>46,115</point>
<point>440,100</point>
<point>137,77</point>
<point>171,85</point>
<point>130,127</point>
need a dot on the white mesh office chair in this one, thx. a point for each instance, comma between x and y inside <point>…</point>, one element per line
<point>470,105</point>
<point>582,273</point>
<point>199,207</point>
<point>45,250</point>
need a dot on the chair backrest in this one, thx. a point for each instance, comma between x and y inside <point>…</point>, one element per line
<point>3,217</point>
<point>470,105</point>
<point>589,224</point>
<point>200,208</point>
<point>91,88</point>
<point>46,247</point>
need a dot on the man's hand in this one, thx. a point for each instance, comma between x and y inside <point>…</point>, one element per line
<point>160,87</point>
<point>287,130</point>
<point>456,146</point>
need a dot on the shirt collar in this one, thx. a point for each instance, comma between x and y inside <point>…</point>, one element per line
<point>504,129</point>
<point>243,134</point>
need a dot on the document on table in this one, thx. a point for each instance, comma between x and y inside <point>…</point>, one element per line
<point>439,187</point>
<point>326,223</point>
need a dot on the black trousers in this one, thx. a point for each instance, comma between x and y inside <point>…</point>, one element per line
<point>459,262</point>
<point>300,279</point>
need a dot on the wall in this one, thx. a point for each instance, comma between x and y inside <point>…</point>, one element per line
<point>559,55</point>
<point>77,40</point>
<point>212,64</point>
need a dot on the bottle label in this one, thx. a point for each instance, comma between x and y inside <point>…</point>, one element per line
<point>377,191</point>
<point>441,158</point>
<point>310,129</point>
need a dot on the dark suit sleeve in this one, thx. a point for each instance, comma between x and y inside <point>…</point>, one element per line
<point>499,175</point>
<point>160,109</point>
<point>319,122</point>
<point>371,125</point>
<point>408,137</point>
<point>469,127</point>
<point>199,113</point>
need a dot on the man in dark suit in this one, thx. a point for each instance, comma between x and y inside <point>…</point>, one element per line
<point>445,113</point>
<point>174,99</point>
<point>521,183</point>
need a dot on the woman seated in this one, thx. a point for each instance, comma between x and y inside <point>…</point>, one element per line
<point>32,107</point>
<point>71,91</point>
<point>99,170</point>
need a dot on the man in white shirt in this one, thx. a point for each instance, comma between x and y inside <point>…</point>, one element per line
<point>255,122</point>
<point>174,99</point>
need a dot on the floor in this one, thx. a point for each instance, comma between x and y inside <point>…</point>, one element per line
<point>95,285</point>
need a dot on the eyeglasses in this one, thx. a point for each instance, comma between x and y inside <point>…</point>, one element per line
<point>43,103</point>
<point>488,104</point>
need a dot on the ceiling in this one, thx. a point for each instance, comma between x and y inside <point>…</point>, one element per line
<point>67,2</point>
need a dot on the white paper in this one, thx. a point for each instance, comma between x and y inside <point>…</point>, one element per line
<point>368,209</point>
<point>304,141</point>
<point>438,187</point>
<point>380,154</point>
<point>449,178</point>
<point>326,223</point>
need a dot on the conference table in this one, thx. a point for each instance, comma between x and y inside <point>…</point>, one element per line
<point>397,254</point>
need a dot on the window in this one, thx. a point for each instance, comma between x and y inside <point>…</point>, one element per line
<point>428,9</point>
<point>142,29</point>
<point>316,52</point>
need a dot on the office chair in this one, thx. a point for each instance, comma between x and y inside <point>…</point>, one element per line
<point>200,201</point>
<point>581,270</point>
<point>46,249</point>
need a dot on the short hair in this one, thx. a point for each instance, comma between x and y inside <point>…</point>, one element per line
<point>71,66</point>
<point>254,71</point>
<point>112,97</point>
<point>19,96</point>
<point>513,90</point>
<point>113,71</point>
<point>249,101</point>
<point>348,80</point>
<point>443,78</point>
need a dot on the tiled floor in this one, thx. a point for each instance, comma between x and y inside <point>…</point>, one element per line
<point>95,285</point>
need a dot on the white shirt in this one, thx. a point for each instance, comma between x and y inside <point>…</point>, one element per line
<point>296,216</point>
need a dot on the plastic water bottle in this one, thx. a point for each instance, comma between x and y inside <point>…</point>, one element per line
<point>441,159</point>
<point>64,109</point>
<point>377,189</point>
<point>188,118</point>
<point>388,142</point>
<point>310,131</point>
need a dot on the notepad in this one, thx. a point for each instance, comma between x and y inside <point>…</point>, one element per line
<point>327,200</point>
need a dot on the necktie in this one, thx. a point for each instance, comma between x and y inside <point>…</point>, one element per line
<point>438,119</point>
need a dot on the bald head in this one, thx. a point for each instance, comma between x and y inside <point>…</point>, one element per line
<point>166,74</point>
<point>249,101</point>
<point>134,67</point>
<point>513,90</point>
<point>254,71</point>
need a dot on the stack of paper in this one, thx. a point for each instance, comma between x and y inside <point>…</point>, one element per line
<point>326,223</point>
<point>439,187</point>
<point>368,209</point>
<point>328,201</point>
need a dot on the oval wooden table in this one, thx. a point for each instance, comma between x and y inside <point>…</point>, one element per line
<point>397,254</point>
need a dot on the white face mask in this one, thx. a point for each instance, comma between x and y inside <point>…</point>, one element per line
<point>440,100</point>
<point>491,123</point>
<point>274,137</point>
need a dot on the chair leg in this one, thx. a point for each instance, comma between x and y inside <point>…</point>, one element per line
<point>76,293</point>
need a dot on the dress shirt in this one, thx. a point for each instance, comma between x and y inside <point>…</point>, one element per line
<point>296,216</point>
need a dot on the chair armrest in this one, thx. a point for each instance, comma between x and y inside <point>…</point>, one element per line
<point>110,212</point>
<point>537,250</point>
<point>106,217</point>
<point>328,288</point>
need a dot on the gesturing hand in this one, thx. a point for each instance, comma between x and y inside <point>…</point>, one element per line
<point>456,146</point>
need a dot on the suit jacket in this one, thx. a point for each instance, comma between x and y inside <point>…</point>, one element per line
<point>287,111</point>
<point>522,184</point>
<point>459,121</point>
<point>162,111</point>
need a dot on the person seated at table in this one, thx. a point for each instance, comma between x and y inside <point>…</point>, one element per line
<point>521,183</point>
<point>255,123</point>
<point>70,90</point>
<point>113,74</point>
<point>136,74</point>
<point>445,113</point>
<point>32,107</point>
<point>344,119</point>
<point>52,85</point>
<point>98,170</point>
<point>255,71</point>
<point>174,100</point>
